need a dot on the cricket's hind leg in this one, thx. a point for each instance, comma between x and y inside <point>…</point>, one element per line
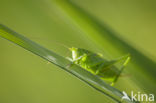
<point>70,59</point>
<point>127,57</point>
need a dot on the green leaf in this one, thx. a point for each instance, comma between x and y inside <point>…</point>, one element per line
<point>63,63</point>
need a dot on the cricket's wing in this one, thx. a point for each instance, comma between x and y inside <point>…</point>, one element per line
<point>92,60</point>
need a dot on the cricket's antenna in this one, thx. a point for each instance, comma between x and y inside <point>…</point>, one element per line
<point>65,46</point>
<point>46,39</point>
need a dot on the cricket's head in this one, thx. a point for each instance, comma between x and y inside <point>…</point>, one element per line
<point>78,52</point>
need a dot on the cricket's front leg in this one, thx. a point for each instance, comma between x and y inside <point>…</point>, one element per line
<point>74,61</point>
<point>70,59</point>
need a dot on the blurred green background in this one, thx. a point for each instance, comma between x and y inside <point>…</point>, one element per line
<point>26,78</point>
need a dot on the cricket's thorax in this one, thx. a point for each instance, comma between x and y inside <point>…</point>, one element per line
<point>78,53</point>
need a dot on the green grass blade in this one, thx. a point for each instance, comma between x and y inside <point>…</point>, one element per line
<point>141,67</point>
<point>62,62</point>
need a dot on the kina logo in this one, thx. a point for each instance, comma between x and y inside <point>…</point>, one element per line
<point>141,97</point>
